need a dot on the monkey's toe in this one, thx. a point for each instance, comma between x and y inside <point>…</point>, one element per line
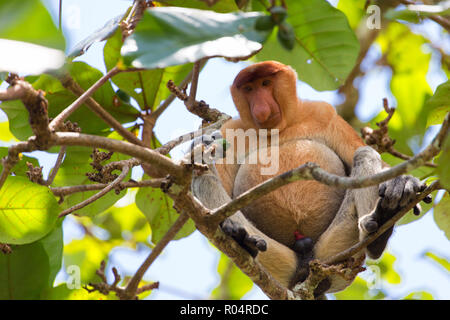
<point>252,244</point>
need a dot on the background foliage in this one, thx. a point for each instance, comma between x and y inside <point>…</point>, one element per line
<point>319,40</point>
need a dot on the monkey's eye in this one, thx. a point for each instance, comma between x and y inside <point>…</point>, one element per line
<point>266,83</point>
<point>248,88</point>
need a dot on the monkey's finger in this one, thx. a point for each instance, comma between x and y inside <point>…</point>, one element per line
<point>417,209</point>
<point>409,192</point>
<point>393,193</point>
<point>382,189</point>
<point>257,242</point>
<point>428,199</point>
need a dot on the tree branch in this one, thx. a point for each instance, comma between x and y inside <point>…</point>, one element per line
<point>132,287</point>
<point>64,191</point>
<point>98,195</point>
<point>74,87</point>
<point>63,115</point>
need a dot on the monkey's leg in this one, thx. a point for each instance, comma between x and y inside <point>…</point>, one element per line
<point>343,231</point>
<point>280,261</point>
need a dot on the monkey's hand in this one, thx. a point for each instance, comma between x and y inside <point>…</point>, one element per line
<point>251,243</point>
<point>395,195</point>
<point>399,192</point>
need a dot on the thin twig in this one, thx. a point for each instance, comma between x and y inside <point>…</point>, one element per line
<point>160,162</point>
<point>64,191</point>
<point>55,169</point>
<point>168,146</point>
<point>132,287</point>
<point>194,82</point>
<point>183,84</point>
<point>63,115</point>
<point>74,87</point>
<point>98,195</point>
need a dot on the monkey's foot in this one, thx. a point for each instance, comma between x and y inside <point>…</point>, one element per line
<point>251,243</point>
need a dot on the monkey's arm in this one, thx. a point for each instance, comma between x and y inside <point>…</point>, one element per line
<point>280,261</point>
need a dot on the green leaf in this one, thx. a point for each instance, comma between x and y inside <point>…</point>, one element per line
<point>5,134</point>
<point>439,104</point>
<point>30,269</point>
<point>18,119</point>
<point>403,50</point>
<point>419,295</point>
<point>76,254</point>
<point>125,222</point>
<point>326,48</point>
<point>27,211</point>
<point>386,267</point>
<point>220,6</point>
<point>21,167</point>
<point>353,9</point>
<point>73,172</point>
<point>234,284</point>
<point>443,161</point>
<point>27,58</point>
<point>442,215</point>
<point>158,208</point>
<point>443,262</point>
<point>29,21</point>
<point>99,35</point>
<point>173,36</point>
<point>85,75</point>
<point>148,87</point>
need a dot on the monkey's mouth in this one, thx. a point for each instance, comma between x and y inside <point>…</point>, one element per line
<point>270,123</point>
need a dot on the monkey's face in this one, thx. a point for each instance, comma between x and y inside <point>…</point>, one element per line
<point>265,95</point>
<point>264,109</point>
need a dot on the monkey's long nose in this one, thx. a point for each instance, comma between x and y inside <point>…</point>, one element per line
<point>261,112</point>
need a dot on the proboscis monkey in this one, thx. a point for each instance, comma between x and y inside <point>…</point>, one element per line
<point>304,219</point>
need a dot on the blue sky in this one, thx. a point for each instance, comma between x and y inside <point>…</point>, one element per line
<point>199,259</point>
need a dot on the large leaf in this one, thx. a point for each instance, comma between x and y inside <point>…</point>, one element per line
<point>148,87</point>
<point>27,211</point>
<point>157,207</point>
<point>443,168</point>
<point>29,21</point>
<point>18,119</point>
<point>234,283</point>
<point>27,58</point>
<point>173,36</point>
<point>326,47</point>
<point>99,35</point>
<point>354,10</point>
<point>439,104</point>
<point>220,6</point>
<point>442,215</point>
<point>30,269</point>
<point>73,172</point>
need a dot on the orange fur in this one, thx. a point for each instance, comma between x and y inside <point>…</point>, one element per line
<point>309,131</point>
